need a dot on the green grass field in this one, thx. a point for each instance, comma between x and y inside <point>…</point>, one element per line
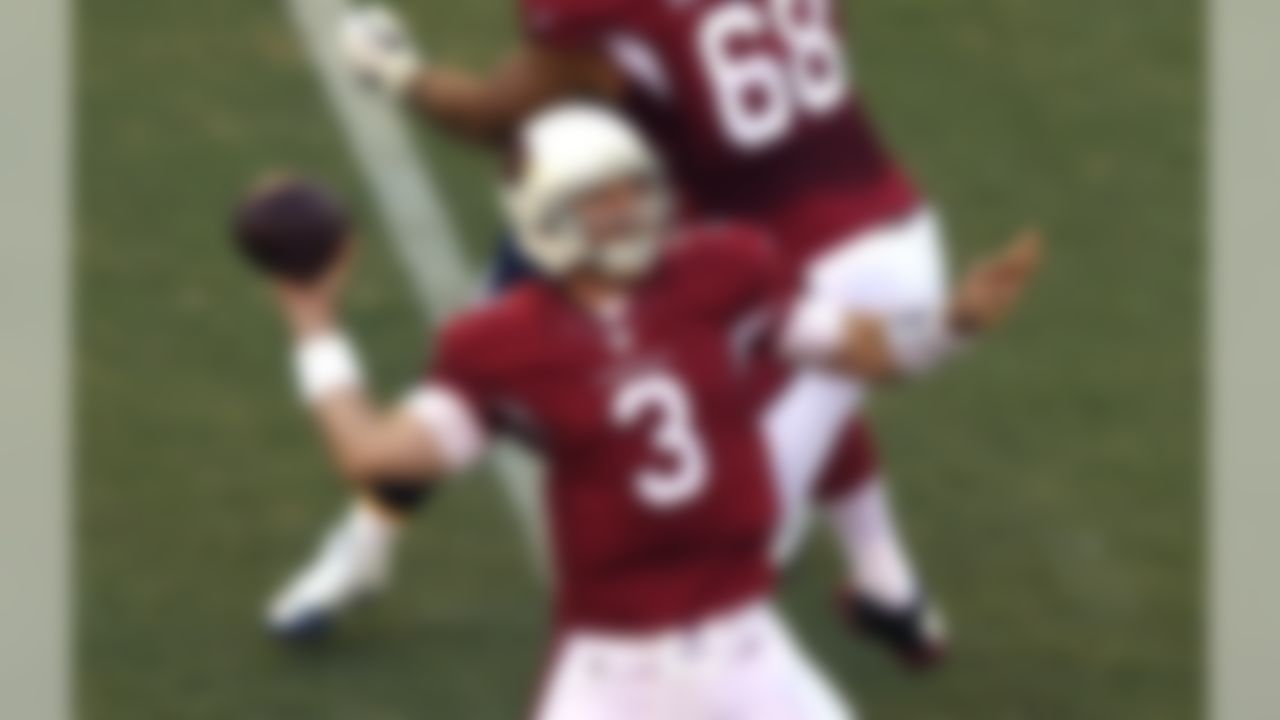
<point>1050,484</point>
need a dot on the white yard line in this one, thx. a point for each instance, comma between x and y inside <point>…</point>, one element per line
<point>419,225</point>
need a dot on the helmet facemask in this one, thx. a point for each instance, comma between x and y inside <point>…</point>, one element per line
<point>591,197</point>
<point>616,225</point>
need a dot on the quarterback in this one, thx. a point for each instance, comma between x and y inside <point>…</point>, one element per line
<point>628,366</point>
<point>754,110</point>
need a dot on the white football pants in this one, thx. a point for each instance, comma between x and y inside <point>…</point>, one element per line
<point>742,665</point>
<point>898,271</point>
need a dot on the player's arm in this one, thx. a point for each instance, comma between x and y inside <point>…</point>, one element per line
<point>480,105</point>
<point>488,106</point>
<point>371,444</point>
<point>878,348</point>
<point>430,434</point>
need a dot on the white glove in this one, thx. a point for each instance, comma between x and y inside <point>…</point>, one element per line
<point>378,49</point>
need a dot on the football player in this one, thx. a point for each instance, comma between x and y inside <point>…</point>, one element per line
<point>754,108</point>
<point>628,366</point>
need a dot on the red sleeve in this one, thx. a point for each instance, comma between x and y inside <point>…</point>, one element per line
<point>567,24</point>
<point>748,270</point>
<point>767,292</point>
<point>740,278</point>
<point>764,269</point>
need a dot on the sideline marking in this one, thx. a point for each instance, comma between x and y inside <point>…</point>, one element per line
<point>423,234</point>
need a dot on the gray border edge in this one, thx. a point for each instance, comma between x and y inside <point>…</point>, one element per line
<point>35,303</point>
<point>1244,655</point>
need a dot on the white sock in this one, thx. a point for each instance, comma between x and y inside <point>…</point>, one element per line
<point>877,561</point>
<point>375,534</point>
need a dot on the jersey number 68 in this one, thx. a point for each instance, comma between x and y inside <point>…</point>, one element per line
<point>760,93</point>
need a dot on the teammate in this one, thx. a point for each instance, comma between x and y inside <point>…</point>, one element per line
<point>629,369</point>
<point>753,107</point>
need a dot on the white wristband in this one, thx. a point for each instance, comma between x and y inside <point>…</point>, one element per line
<point>326,364</point>
<point>459,434</point>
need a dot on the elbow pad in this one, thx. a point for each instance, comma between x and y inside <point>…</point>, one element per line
<point>460,436</point>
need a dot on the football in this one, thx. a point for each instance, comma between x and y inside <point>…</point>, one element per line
<point>291,228</point>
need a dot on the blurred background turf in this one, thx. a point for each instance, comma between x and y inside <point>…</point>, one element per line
<point>1050,484</point>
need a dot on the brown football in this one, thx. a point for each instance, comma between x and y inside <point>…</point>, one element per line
<point>291,228</point>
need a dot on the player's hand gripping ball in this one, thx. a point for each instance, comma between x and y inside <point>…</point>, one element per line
<point>291,229</point>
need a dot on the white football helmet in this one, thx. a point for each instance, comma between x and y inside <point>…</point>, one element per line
<point>567,152</point>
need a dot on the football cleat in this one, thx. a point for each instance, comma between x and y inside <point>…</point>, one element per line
<point>352,566</point>
<point>916,634</point>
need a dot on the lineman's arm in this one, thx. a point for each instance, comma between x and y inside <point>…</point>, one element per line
<point>483,106</point>
<point>488,106</point>
<point>879,349</point>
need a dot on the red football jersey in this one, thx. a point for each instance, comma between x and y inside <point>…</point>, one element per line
<point>753,105</point>
<point>658,492</point>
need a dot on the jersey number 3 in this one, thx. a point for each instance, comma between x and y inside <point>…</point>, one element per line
<point>682,475</point>
<point>770,65</point>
